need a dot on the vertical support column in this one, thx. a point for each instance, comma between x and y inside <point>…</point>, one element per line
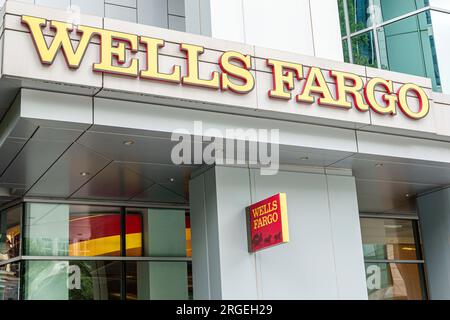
<point>164,235</point>
<point>47,232</point>
<point>347,241</point>
<point>205,237</point>
<point>434,212</point>
<point>198,16</point>
<point>323,260</point>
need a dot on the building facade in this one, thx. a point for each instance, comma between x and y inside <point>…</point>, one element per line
<point>135,133</point>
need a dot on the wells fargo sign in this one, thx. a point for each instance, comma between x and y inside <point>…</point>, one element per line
<point>267,223</point>
<point>117,50</point>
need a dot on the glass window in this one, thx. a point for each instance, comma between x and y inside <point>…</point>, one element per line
<point>72,230</point>
<point>392,253</point>
<point>345,50</point>
<point>423,36</point>
<point>391,239</point>
<point>393,9</point>
<point>158,232</point>
<point>363,14</point>
<point>413,35</point>
<point>363,50</point>
<point>9,281</point>
<point>158,281</point>
<point>134,235</point>
<point>65,230</point>
<point>394,281</point>
<point>342,17</point>
<point>10,233</point>
<point>75,280</point>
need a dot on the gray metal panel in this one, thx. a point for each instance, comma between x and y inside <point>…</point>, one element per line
<point>114,182</point>
<point>379,169</point>
<point>308,272</point>
<point>177,23</point>
<point>388,196</point>
<point>94,7</point>
<point>65,177</point>
<point>158,193</point>
<point>237,267</point>
<point>36,157</point>
<point>8,91</point>
<point>43,107</point>
<point>120,13</point>
<point>192,14</point>
<point>126,3</point>
<point>205,18</point>
<point>200,269</point>
<point>144,149</point>
<point>12,190</point>
<point>213,236</point>
<point>153,13</point>
<point>56,134</point>
<point>61,4</point>
<point>162,174</point>
<point>8,151</point>
<point>347,242</point>
<point>176,7</point>
<point>310,157</point>
<point>23,129</point>
<point>434,212</point>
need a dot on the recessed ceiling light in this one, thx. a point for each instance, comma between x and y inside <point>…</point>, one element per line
<point>171,179</point>
<point>128,143</point>
<point>393,226</point>
<point>407,195</point>
<point>84,174</point>
<point>378,165</point>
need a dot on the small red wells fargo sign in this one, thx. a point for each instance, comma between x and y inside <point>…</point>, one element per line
<point>267,223</point>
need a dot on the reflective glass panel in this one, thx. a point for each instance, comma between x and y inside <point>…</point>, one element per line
<point>367,13</point>
<point>342,17</point>
<point>158,280</point>
<point>393,9</point>
<point>394,281</point>
<point>72,230</point>
<point>345,50</point>
<point>9,281</point>
<point>408,46</point>
<point>363,14</point>
<point>388,239</point>
<point>363,50</point>
<point>158,233</point>
<point>75,280</point>
<point>10,233</point>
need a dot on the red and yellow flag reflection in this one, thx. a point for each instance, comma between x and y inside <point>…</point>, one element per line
<point>99,235</point>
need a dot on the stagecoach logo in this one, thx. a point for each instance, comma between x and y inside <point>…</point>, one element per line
<point>118,56</point>
<point>267,223</point>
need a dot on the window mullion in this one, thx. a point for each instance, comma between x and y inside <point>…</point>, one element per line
<point>123,250</point>
<point>347,27</point>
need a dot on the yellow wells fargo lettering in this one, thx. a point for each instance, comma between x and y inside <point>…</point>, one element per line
<point>265,214</point>
<point>118,55</point>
